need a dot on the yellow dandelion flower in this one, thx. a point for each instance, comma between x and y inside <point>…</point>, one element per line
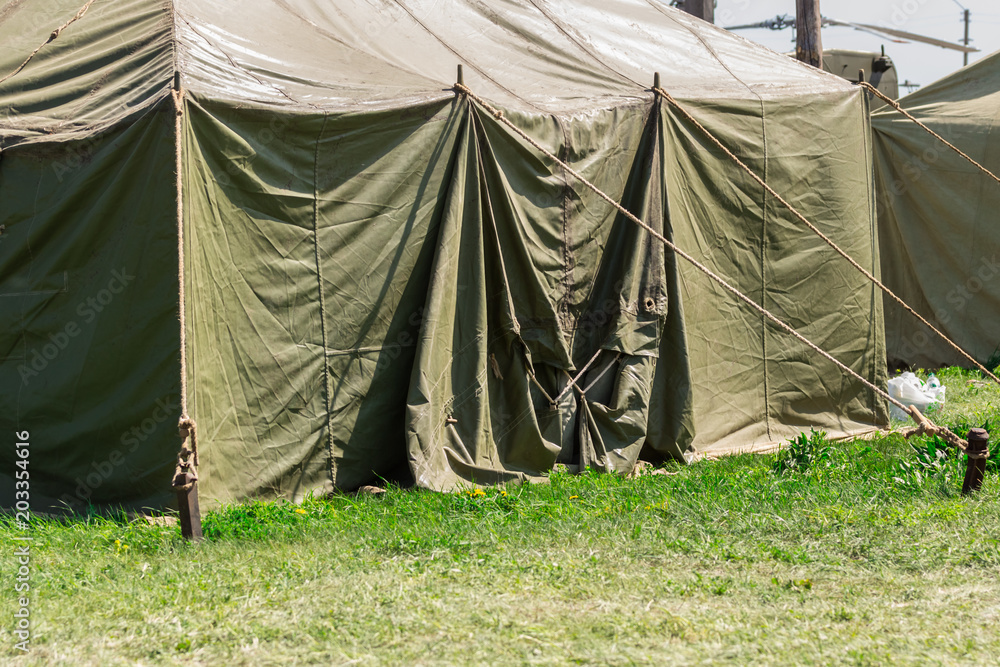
<point>300,511</point>
<point>478,492</point>
<point>118,543</point>
<point>574,497</point>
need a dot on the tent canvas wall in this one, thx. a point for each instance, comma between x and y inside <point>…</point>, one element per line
<point>937,218</point>
<point>380,278</point>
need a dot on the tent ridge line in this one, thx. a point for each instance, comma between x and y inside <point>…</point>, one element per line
<point>185,479</point>
<point>178,102</point>
<point>898,107</point>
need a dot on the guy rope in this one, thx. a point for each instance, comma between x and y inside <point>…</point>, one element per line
<point>185,480</point>
<point>924,425</point>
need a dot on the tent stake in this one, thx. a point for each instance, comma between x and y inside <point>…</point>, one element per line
<point>461,76</point>
<point>185,482</point>
<point>975,464</point>
<point>656,80</point>
<point>190,513</point>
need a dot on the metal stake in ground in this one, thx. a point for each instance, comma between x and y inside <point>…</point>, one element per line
<point>975,465</point>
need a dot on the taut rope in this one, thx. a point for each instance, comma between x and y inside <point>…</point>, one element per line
<point>52,35</point>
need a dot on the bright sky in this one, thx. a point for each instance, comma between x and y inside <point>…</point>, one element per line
<point>920,63</point>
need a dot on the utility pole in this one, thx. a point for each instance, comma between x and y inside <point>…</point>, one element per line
<point>808,23</point>
<point>703,9</point>
<point>965,56</point>
<point>967,17</point>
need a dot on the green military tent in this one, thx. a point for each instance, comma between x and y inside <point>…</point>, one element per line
<point>938,223</point>
<point>380,279</point>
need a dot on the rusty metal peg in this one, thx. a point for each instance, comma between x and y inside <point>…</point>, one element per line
<point>977,453</point>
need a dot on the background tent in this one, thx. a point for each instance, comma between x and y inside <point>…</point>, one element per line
<point>878,68</point>
<point>380,278</point>
<point>938,223</point>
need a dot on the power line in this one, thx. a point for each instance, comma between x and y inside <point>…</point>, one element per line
<point>935,18</point>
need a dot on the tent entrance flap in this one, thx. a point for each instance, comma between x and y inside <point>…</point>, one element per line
<point>497,386</point>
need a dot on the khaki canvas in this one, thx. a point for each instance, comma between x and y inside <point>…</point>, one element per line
<point>938,218</point>
<point>381,280</point>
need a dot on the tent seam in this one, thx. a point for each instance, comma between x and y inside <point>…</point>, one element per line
<point>175,52</point>
<point>567,255</point>
<point>580,46</point>
<point>464,59</point>
<point>232,61</point>
<point>327,389</point>
<point>763,276</point>
<point>982,183</point>
<point>707,48</point>
<point>868,139</point>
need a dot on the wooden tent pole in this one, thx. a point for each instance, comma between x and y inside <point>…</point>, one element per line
<point>703,9</point>
<point>808,40</point>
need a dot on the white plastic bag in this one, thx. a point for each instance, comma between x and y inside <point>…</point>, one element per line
<point>908,389</point>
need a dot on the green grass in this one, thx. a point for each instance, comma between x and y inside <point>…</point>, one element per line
<point>853,553</point>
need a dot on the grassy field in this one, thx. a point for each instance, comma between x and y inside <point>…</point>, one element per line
<point>856,553</point>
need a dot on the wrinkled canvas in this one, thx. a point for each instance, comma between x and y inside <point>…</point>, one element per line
<point>937,218</point>
<point>384,281</point>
